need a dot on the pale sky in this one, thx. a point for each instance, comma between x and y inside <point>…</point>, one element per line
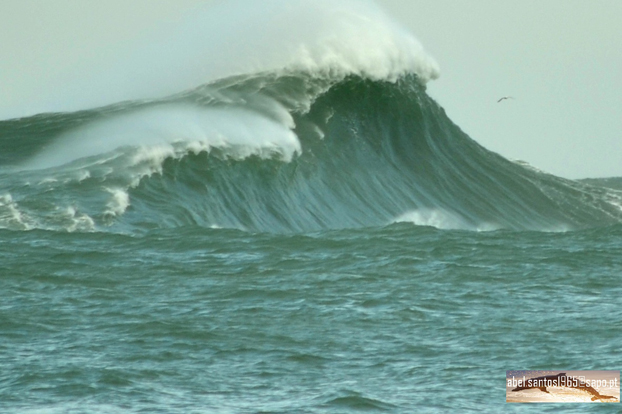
<point>560,59</point>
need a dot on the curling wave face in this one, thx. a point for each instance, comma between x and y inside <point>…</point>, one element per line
<point>328,133</point>
<point>281,153</point>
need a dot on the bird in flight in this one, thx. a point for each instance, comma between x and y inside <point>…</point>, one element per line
<point>504,98</point>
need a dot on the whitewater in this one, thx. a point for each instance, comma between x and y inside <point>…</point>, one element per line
<point>274,216</point>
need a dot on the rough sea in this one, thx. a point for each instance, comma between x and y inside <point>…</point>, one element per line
<point>315,236</point>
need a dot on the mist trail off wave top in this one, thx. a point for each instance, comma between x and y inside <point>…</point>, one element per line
<point>239,37</point>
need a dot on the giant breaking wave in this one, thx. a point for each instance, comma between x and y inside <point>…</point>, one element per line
<point>333,134</point>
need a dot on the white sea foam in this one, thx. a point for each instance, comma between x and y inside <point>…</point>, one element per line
<point>77,221</point>
<point>442,219</point>
<point>614,197</point>
<point>155,129</point>
<point>82,175</point>
<point>48,180</point>
<point>58,218</point>
<point>119,202</point>
<point>351,37</point>
<point>10,215</point>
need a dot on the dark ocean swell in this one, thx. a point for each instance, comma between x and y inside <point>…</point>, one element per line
<point>278,153</point>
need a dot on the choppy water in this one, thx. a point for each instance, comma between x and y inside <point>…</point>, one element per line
<point>313,237</point>
<point>395,319</point>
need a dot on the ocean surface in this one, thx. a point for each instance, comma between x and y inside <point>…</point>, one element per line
<point>315,236</point>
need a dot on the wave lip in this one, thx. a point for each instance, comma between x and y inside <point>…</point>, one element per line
<point>158,126</point>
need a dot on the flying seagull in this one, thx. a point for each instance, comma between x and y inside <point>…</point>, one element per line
<point>504,98</point>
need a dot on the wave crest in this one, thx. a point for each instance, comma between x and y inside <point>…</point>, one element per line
<point>288,154</point>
